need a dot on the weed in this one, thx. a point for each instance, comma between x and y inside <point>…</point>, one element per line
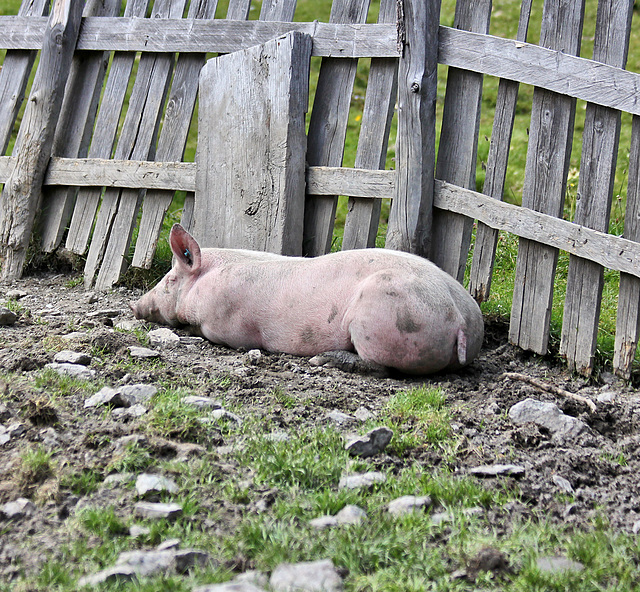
<point>133,459</point>
<point>36,466</point>
<point>82,482</point>
<point>102,521</point>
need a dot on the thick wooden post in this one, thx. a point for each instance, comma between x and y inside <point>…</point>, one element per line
<point>22,192</point>
<point>411,211</point>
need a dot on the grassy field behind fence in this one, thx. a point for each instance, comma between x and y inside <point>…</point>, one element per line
<point>504,24</point>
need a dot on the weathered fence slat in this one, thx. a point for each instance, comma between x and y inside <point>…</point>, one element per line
<point>14,76</point>
<point>363,215</point>
<point>173,138</point>
<point>484,250</point>
<point>546,169</point>
<point>118,211</point>
<point>253,126</point>
<point>595,192</point>
<point>457,152</point>
<point>628,320</point>
<point>328,128</point>
<point>74,127</point>
<point>22,192</point>
<point>104,135</point>
<point>225,36</point>
<point>410,217</point>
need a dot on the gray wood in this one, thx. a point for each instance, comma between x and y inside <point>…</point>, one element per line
<point>605,249</point>
<point>363,215</point>
<point>363,183</point>
<point>73,131</point>
<point>106,128</point>
<point>133,174</point>
<point>14,75</point>
<point>411,212</point>
<point>328,128</point>
<point>486,237</point>
<point>458,147</point>
<point>277,10</point>
<point>531,64</point>
<point>22,193</point>
<point>628,320</point>
<point>118,210</point>
<point>547,165</point>
<point>173,138</point>
<point>595,192</point>
<point>253,127</point>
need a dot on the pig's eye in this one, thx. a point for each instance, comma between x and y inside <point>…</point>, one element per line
<point>187,256</point>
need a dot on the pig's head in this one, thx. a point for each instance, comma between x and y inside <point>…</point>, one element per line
<point>161,305</point>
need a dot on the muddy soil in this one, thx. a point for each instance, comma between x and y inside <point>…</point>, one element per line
<point>568,481</point>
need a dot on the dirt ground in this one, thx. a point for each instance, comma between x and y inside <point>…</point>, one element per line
<point>601,465</point>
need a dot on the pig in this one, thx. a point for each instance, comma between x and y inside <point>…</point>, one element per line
<point>391,309</point>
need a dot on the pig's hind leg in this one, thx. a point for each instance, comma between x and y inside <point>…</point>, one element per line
<point>349,362</point>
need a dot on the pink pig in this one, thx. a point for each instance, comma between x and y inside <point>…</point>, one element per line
<point>395,310</point>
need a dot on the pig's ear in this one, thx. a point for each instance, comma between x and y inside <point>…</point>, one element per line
<point>185,248</point>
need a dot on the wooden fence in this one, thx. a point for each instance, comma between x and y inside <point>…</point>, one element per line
<point>101,138</point>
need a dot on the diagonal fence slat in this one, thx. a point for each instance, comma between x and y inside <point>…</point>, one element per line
<point>546,169</point>
<point>73,131</point>
<point>363,215</point>
<point>595,192</point>
<point>484,251</point>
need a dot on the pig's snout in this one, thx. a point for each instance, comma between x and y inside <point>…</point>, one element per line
<point>135,309</point>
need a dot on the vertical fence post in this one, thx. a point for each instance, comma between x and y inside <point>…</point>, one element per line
<point>411,211</point>
<point>22,192</point>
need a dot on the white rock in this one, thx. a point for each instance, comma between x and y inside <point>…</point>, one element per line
<point>73,370</point>
<point>361,480</point>
<point>147,485</point>
<point>202,402</point>
<point>163,337</point>
<point>340,418</point>
<point>547,415</point>
<point>408,504</point>
<point>67,356</point>
<point>158,511</point>
<point>143,352</point>
<point>18,509</point>
<point>320,576</point>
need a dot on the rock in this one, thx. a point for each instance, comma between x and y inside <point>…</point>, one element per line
<point>67,356</point>
<point>120,573</point>
<point>134,411</point>
<point>606,398</point>
<point>277,436</point>
<point>147,563</point>
<point>498,471</point>
<point>363,414</point>
<point>18,509</point>
<point>321,576</point>
<point>76,336</point>
<point>129,324</point>
<point>73,370</point>
<point>15,294</point>
<point>557,564</point>
<point>143,353</point>
<point>117,479</point>
<point>339,418</point>
<point>109,313</point>
<point>158,511</point>
<point>123,396</point>
<point>350,514</point>
<point>202,402</point>
<point>91,297</point>
<point>163,337</point>
<point>4,436</point>
<point>152,485</point>
<point>361,480</point>
<point>547,415</point>
<point>372,443</point>
<point>408,504</point>
<point>562,483</point>
<point>136,531</point>
<point>7,317</point>
<point>230,587</point>
<point>253,357</point>
<point>254,577</point>
<point>636,527</point>
<point>188,558</point>
<point>16,429</point>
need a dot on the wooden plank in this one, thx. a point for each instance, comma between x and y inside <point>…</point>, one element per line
<point>547,165</point>
<point>14,74</point>
<point>278,10</point>
<point>595,191</point>
<point>411,212</point>
<point>104,135</point>
<point>607,250</point>
<point>628,320</point>
<point>328,128</point>
<point>73,131</point>
<point>363,183</point>
<point>253,126</point>
<point>458,147</point>
<point>363,215</point>
<point>173,138</point>
<point>486,237</point>
<point>560,72</point>
<point>22,193</point>
<point>118,211</point>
